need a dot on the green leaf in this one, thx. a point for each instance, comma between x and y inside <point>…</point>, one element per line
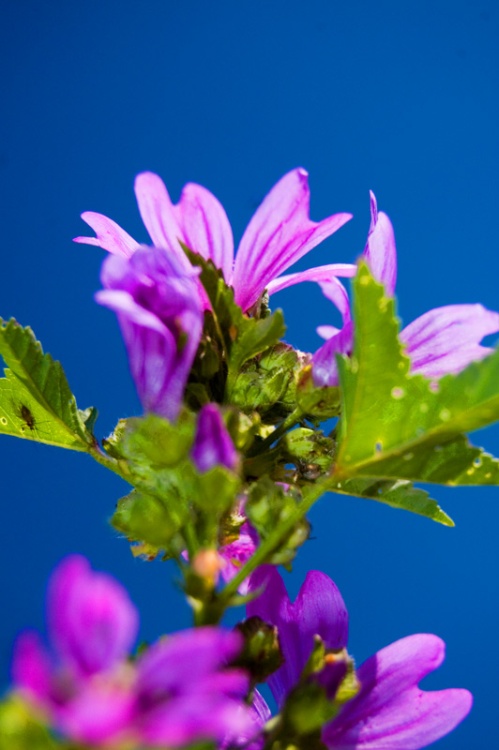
<point>400,426</point>
<point>36,402</point>
<point>398,494</point>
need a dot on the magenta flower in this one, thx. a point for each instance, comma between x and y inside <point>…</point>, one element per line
<point>83,688</point>
<point>278,235</point>
<point>160,312</point>
<point>390,711</point>
<point>186,694</point>
<point>177,692</point>
<point>213,445</point>
<point>442,341</point>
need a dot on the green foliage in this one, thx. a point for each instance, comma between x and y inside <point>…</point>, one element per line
<point>173,507</point>
<point>268,383</point>
<point>396,425</point>
<point>233,336</point>
<point>36,402</point>
<point>268,507</point>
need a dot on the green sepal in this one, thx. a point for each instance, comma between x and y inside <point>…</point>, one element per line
<point>151,442</point>
<point>268,383</point>
<point>233,336</point>
<point>400,426</point>
<point>310,450</point>
<point>173,507</point>
<point>147,520</point>
<point>267,507</point>
<point>261,654</point>
<point>36,402</point>
<point>316,404</point>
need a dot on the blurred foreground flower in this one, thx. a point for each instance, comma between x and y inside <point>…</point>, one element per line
<point>160,313</point>
<point>278,235</point>
<point>389,712</point>
<point>442,341</point>
<point>177,692</point>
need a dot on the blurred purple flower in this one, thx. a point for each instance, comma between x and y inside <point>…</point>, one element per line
<point>390,711</point>
<point>160,312</point>
<point>213,445</point>
<point>185,693</point>
<point>84,688</point>
<point>442,341</point>
<point>278,235</point>
<point>178,691</point>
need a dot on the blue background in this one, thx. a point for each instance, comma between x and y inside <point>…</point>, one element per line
<point>400,97</point>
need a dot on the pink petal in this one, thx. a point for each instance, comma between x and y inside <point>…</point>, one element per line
<point>446,339</point>
<point>161,218</point>
<point>110,236</point>
<point>279,233</point>
<point>338,295</point>
<point>100,714</point>
<point>320,273</point>
<point>380,251</point>
<point>319,609</point>
<point>31,667</point>
<point>91,619</point>
<point>391,712</point>
<point>206,228</point>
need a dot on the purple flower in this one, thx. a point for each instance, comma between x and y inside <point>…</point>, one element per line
<point>213,445</point>
<point>444,340</point>
<point>279,234</point>
<point>160,312</point>
<point>185,693</point>
<point>83,688</point>
<point>178,691</point>
<point>390,711</point>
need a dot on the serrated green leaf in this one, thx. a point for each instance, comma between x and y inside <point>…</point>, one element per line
<point>36,402</point>
<point>396,425</point>
<point>398,494</point>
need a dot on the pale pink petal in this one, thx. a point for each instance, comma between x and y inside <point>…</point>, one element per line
<point>161,218</point>
<point>391,712</point>
<point>279,233</point>
<point>380,251</point>
<point>447,339</point>
<point>326,332</point>
<point>320,273</point>
<point>110,236</point>
<point>206,228</point>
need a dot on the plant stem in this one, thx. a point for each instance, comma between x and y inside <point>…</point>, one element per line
<point>267,547</point>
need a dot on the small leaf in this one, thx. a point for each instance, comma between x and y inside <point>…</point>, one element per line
<point>36,402</point>
<point>398,494</point>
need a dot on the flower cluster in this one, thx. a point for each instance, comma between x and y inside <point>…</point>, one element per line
<point>177,692</point>
<point>229,456</point>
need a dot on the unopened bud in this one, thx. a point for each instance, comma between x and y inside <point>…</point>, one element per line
<point>261,655</point>
<point>207,564</point>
